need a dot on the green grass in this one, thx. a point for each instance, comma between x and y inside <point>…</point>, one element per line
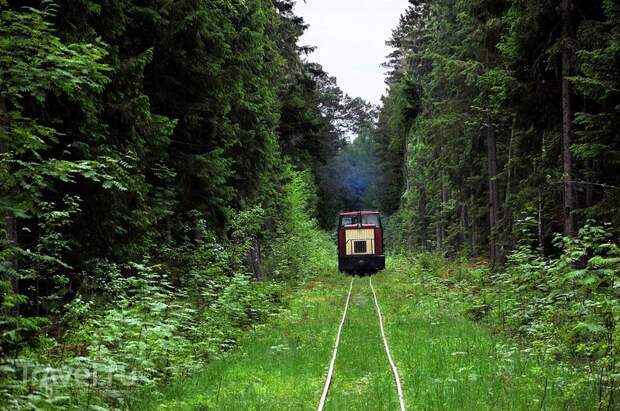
<point>446,362</point>
<point>362,375</point>
<point>278,366</point>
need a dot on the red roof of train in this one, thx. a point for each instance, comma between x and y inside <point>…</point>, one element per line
<point>363,212</point>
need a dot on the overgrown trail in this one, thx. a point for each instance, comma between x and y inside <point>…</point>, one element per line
<point>445,361</point>
<point>332,363</point>
<point>363,379</point>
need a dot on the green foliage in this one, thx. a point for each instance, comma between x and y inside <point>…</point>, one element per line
<point>302,250</point>
<point>461,69</point>
<point>157,184</point>
<point>151,322</point>
<point>38,66</point>
<point>165,168</point>
<point>153,331</point>
<point>566,308</point>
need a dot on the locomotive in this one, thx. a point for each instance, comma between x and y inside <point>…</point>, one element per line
<point>360,242</point>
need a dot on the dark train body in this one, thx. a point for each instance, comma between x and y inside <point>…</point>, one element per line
<point>360,242</point>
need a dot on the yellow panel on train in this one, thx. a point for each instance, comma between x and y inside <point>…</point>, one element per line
<point>364,234</point>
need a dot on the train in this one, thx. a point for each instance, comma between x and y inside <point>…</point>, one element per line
<point>360,242</point>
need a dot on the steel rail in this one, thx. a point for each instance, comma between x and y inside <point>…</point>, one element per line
<point>399,389</point>
<point>330,371</point>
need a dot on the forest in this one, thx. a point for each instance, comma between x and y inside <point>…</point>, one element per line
<point>171,172</point>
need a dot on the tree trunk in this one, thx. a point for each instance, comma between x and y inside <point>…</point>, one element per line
<point>493,195</point>
<point>472,224</point>
<point>10,223</point>
<point>463,235</point>
<point>509,167</point>
<point>406,166</point>
<point>441,227</point>
<point>540,218</point>
<point>169,229</point>
<point>197,230</point>
<point>423,234</point>
<point>253,259</point>
<point>507,208</point>
<point>567,158</point>
<point>589,186</point>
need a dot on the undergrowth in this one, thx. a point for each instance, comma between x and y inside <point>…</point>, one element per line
<point>566,308</point>
<point>137,325</point>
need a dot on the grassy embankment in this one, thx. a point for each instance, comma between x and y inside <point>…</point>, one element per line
<point>445,360</point>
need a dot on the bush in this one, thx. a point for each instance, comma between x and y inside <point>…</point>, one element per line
<point>136,325</point>
<point>301,249</point>
<point>566,307</point>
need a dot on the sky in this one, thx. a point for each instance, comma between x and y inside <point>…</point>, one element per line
<point>350,38</point>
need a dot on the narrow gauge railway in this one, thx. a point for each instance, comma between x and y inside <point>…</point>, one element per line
<point>332,363</point>
<point>360,251</point>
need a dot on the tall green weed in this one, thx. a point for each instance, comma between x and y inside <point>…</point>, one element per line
<point>133,326</point>
<point>566,307</point>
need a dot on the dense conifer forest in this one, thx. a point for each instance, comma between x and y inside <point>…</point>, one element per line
<point>171,170</point>
<point>505,116</point>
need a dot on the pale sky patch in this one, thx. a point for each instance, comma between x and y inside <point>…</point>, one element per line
<point>350,37</point>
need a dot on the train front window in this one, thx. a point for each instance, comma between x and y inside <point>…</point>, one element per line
<point>348,220</point>
<point>364,219</point>
<point>371,219</point>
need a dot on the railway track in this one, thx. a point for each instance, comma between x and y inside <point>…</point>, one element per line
<point>332,363</point>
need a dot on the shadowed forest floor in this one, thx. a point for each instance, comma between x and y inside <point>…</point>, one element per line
<point>445,360</point>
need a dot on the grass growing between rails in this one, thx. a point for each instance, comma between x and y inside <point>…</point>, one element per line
<point>363,379</point>
<point>446,361</point>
